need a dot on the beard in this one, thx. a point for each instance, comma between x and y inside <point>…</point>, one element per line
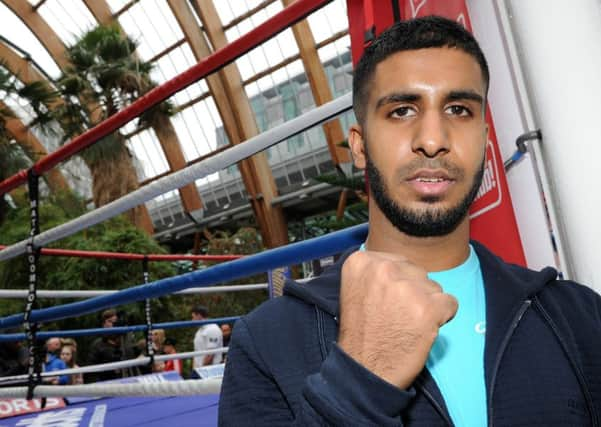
<point>428,222</point>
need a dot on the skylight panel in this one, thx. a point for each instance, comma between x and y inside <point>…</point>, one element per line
<point>69,19</point>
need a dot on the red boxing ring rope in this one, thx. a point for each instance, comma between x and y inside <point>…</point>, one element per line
<point>135,257</point>
<point>284,19</point>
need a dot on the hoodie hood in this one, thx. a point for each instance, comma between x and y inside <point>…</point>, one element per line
<point>506,284</point>
<point>324,290</point>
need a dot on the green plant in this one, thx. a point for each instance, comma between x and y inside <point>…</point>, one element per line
<point>70,273</point>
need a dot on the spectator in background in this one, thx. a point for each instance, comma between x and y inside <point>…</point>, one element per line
<point>54,362</point>
<point>226,331</point>
<point>13,357</point>
<point>207,337</point>
<point>53,345</point>
<point>174,364</point>
<point>109,318</point>
<point>110,348</point>
<point>69,341</point>
<point>69,356</point>
<point>158,337</point>
<point>105,349</point>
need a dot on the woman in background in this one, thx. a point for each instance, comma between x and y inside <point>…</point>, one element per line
<point>69,356</point>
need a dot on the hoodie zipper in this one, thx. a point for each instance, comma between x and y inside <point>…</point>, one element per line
<point>434,402</point>
<point>514,324</point>
<point>577,372</point>
<point>321,332</point>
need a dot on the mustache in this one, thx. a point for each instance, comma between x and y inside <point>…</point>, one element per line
<point>454,171</point>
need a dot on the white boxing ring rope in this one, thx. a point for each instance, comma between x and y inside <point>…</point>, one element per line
<point>167,388</point>
<point>187,175</point>
<point>113,366</point>
<point>22,293</point>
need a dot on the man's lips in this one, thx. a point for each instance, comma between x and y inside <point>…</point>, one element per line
<point>430,182</point>
<point>430,175</point>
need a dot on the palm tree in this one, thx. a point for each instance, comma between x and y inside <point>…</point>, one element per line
<point>13,156</point>
<point>104,77</point>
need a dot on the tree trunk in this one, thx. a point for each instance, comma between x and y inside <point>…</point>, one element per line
<point>114,178</point>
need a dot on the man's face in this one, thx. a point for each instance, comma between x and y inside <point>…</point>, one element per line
<point>226,330</point>
<point>424,139</point>
<point>110,322</point>
<point>196,316</point>
<point>53,345</point>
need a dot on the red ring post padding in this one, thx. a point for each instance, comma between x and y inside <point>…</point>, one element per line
<point>274,25</point>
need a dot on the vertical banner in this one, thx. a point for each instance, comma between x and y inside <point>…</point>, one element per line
<point>492,218</point>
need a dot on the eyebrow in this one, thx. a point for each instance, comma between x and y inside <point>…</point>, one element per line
<point>455,95</point>
<point>459,95</point>
<point>397,97</point>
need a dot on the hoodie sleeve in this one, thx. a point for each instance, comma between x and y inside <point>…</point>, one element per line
<point>342,393</point>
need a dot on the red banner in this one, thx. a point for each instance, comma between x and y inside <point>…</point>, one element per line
<point>13,407</point>
<point>492,218</point>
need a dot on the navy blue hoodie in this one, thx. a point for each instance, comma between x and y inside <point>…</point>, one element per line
<point>542,359</point>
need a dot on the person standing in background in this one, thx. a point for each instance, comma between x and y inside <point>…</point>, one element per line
<point>207,337</point>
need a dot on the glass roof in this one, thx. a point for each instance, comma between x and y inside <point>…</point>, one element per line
<point>69,19</point>
<point>273,76</point>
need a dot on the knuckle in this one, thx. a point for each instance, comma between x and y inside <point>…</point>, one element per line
<point>385,268</point>
<point>435,285</point>
<point>354,260</point>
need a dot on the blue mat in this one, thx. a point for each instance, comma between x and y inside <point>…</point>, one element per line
<point>126,412</point>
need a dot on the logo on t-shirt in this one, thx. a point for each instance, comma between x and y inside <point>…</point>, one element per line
<point>480,327</point>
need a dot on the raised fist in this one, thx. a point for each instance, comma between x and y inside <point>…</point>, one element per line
<point>390,313</point>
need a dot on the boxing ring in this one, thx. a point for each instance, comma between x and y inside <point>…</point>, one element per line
<point>200,281</point>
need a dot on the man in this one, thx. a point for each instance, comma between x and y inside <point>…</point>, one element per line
<point>418,327</point>
<point>226,332</point>
<point>108,349</point>
<point>109,318</point>
<point>13,357</point>
<point>105,349</point>
<point>53,361</point>
<point>208,337</point>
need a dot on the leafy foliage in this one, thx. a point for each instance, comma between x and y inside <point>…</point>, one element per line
<point>69,273</point>
<point>243,242</point>
<point>105,76</point>
<point>356,183</point>
<point>15,157</point>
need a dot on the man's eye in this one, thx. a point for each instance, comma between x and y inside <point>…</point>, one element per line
<point>402,112</point>
<point>458,110</point>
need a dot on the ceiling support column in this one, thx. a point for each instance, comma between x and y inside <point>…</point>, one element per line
<point>237,116</point>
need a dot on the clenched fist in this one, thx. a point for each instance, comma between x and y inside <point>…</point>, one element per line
<point>390,313</point>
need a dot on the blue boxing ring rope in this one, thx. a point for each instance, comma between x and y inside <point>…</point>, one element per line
<point>117,330</point>
<point>291,254</point>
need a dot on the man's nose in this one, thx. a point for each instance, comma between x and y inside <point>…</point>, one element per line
<point>431,138</point>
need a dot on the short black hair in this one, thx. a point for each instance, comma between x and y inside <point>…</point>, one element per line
<point>414,34</point>
<point>107,314</point>
<point>200,309</point>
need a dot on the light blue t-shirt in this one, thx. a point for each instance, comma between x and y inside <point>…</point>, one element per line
<point>456,360</point>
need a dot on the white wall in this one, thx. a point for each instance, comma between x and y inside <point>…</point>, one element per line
<point>510,121</point>
<point>559,46</point>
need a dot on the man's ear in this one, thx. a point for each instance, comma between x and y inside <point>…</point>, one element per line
<point>357,145</point>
